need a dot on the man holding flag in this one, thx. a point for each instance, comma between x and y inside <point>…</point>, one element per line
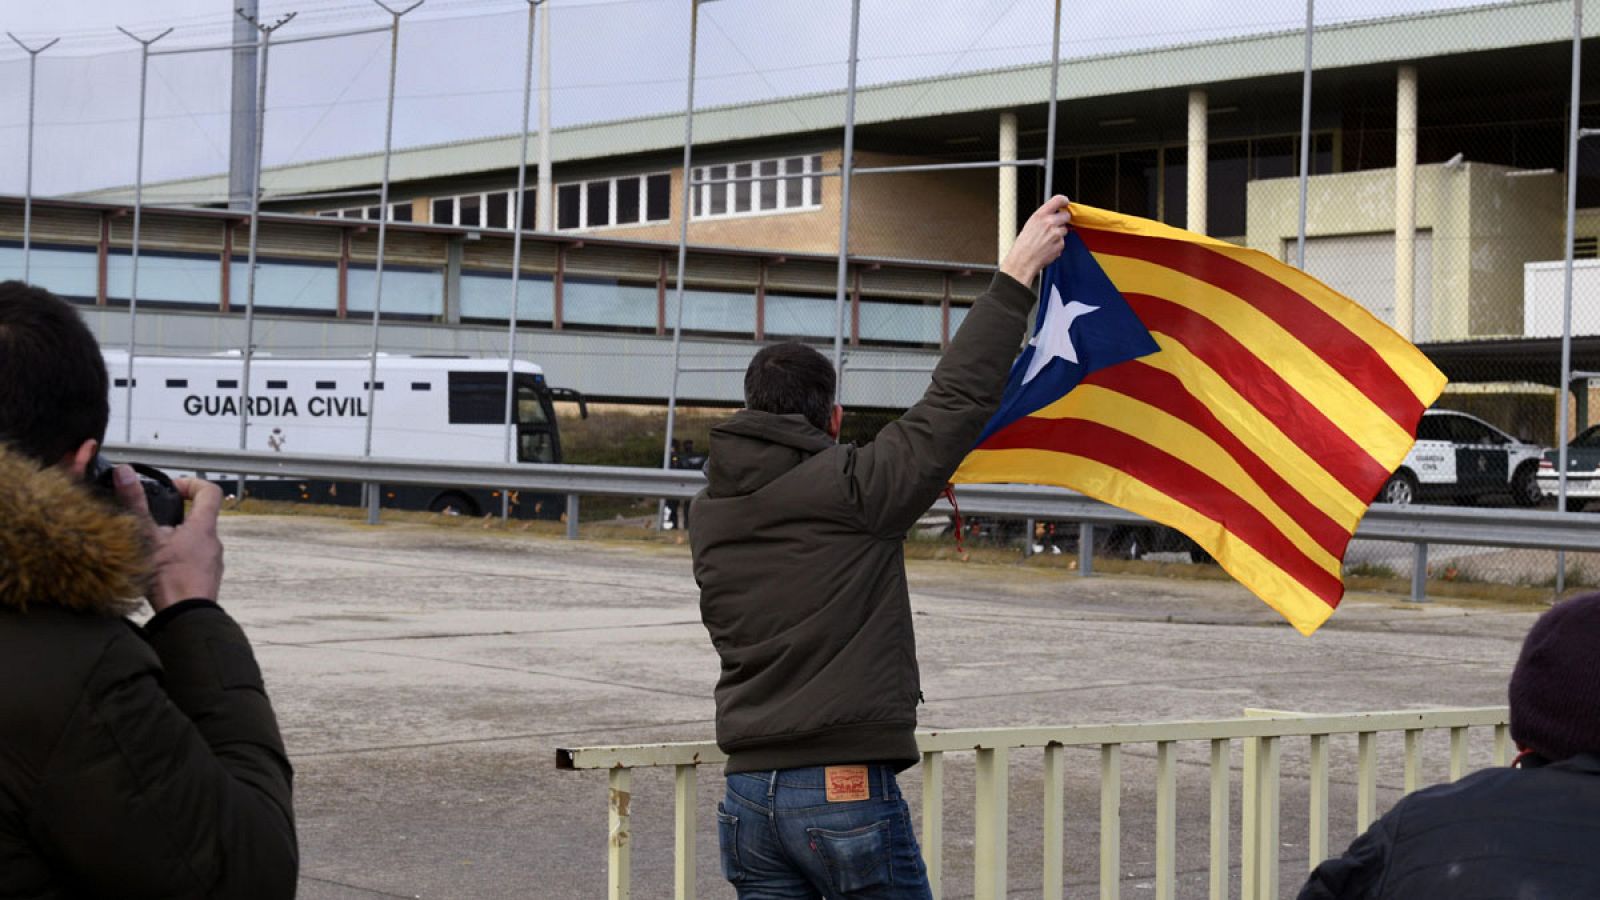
<point>797,544</point>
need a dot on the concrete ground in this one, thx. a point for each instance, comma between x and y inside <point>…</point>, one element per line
<point>425,677</point>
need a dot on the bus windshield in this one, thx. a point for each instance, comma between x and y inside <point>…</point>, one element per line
<point>532,403</point>
<point>536,428</point>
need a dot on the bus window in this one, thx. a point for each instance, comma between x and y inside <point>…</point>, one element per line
<point>532,403</point>
<point>477,398</point>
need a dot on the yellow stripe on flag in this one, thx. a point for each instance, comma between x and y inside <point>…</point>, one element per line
<point>1413,368</point>
<point>1159,428</point>
<point>1319,383</point>
<point>1259,433</point>
<point>1304,610</point>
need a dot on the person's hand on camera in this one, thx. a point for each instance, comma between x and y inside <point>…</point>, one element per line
<point>186,561</point>
<point>1039,242</point>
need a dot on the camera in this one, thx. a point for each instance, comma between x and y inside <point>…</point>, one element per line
<point>160,494</point>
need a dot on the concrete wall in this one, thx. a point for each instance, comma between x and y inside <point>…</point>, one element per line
<point>1512,220</point>
<point>1485,226</point>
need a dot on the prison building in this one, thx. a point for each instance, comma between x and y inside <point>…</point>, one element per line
<point>1465,110</point>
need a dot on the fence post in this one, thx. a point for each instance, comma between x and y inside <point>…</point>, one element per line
<point>1085,549</point>
<point>1318,832</point>
<point>989,825</point>
<point>1166,820</point>
<point>683,850</point>
<point>572,517</point>
<point>933,821</point>
<point>1221,861</point>
<point>1027,538</point>
<point>1110,821</point>
<point>1458,753</point>
<point>1268,794</point>
<point>1366,779</point>
<point>1055,777</point>
<point>619,846</point>
<point>1413,769</point>
<point>1419,573</point>
<point>1250,822</point>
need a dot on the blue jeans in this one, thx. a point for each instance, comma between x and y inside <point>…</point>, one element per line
<point>782,838</point>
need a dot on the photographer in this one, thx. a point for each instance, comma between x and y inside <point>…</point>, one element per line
<point>134,762</point>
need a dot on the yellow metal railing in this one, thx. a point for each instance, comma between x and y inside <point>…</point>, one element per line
<point>1260,731</point>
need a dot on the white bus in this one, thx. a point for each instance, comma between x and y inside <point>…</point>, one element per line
<point>434,408</point>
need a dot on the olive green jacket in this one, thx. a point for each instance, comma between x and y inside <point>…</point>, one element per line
<point>134,762</point>
<point>798,551</point>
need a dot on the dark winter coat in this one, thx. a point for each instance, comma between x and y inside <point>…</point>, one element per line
<point>1519,834</point>
<point>798,550</point>
<point>134,763</point>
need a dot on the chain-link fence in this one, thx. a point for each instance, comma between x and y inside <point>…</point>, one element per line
<point>1435,145</point>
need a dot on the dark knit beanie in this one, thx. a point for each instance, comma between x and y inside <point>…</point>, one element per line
<point>1555,688</point>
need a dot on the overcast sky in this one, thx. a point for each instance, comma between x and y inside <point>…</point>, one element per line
<point>461,65</point>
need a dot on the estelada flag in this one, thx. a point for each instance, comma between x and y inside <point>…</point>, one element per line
<point>1214,389</point>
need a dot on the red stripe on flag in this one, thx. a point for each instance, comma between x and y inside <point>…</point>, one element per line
<point>1165,391</point>
<point>1177,479</point>
<point>1326,336</point>
<point>1267,391</point>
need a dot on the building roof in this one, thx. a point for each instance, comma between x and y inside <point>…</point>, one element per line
<point>1362,43</point>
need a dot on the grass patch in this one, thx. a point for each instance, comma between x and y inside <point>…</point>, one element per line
<point>1371,570</point>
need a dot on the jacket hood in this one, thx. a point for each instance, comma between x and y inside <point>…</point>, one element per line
<point>752,448</point>
<point>61,546</point>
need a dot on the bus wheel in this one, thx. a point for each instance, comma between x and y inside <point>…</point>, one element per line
<point>454,503</point>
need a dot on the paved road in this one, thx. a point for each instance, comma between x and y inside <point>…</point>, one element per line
<point>425,676</point>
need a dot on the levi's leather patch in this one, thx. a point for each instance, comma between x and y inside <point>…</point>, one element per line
<point>846,783</point>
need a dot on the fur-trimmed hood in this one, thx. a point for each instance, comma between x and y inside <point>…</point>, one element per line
<point>61,546</point>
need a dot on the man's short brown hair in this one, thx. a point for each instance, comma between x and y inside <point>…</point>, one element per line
<point>791,379</point>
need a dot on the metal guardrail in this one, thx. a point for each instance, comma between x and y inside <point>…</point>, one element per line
<point>1261,732</point>
<point>1511,528</point>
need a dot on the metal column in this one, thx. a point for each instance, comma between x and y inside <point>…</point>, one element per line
<point>516,251</point>
<point>846,173</point>
<point>27,196</point>
<point>373,494</point>
<point>138,215</point>
<point>1563,433</point>
<point>683,251</point>
<point>1050,112</point>
<point>255,228</point>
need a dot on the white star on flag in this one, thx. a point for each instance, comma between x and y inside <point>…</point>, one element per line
<point>1054,340</point>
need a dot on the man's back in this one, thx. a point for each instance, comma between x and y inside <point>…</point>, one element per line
<point>798,552</point>
<point>1529,833</point>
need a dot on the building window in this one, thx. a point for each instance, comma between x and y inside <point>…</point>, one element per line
<point>398,212</point>
<point>614,202</point>
<point>658,198</point>
<point>469,210</point>
<point>494,209</point>
<point>598,209</point>
<point>569,206</point>
<point>759,187</point>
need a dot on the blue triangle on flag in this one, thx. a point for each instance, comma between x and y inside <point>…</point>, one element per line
<point>1082,315</point>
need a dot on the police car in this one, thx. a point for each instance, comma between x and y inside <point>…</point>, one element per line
<point>1464,458</point>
